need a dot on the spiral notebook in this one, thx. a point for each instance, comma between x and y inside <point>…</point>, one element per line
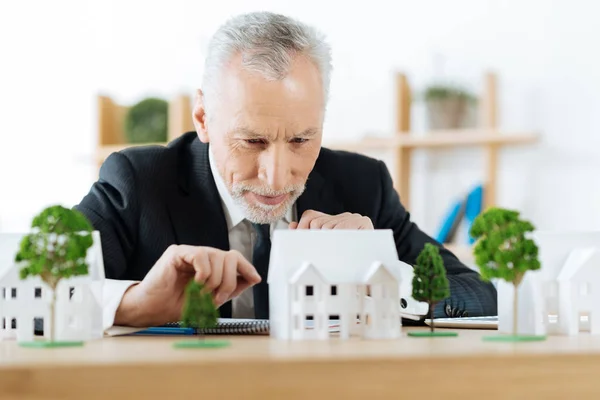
<point>232,326</point>
<point>225,326</point>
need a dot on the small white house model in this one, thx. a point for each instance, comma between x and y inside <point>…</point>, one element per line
<point>316,276</point>
<point>25,304</point>
<point>563,296</point>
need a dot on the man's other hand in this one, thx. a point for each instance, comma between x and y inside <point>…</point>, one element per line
<point>159,298</point>
<point>312,219</point>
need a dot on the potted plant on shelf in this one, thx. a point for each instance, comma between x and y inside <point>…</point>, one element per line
<point>147,121</point>
<point>448,106</point>
<point>503,250</point>
<point>430,285</point>
<point>56,249</point>
<point>200,313</point>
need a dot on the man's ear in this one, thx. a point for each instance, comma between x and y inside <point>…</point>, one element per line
<point>199,117</point>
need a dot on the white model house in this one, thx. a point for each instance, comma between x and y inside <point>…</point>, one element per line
<point>320,275</point>
<point>561,298</point>
<point>25,304</point>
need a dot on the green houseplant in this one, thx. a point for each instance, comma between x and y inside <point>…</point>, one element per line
<point>56,249</point>
<point>199,312</point>
<point>504,250</point>
<point>147,121</point>
<point>448,106</point>
<point>430,284</point>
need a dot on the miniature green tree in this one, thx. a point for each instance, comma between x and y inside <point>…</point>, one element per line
<point>429,283</point>
<point>199,311</point>
<point>56,249</point>
<point>503,249</point>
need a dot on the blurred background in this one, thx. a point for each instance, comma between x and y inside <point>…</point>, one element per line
<point>529,70</point>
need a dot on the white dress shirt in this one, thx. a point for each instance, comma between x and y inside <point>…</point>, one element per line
<point>241,238</point>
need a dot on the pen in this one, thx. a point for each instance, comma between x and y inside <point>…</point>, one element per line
<point>164,330</point>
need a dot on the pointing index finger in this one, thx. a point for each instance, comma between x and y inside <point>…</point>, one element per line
<point>307,218</point>
<point>247,270</point>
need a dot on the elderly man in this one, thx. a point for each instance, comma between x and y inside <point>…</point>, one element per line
<point>204,205</point>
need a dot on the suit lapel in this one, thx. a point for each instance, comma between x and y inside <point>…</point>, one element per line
<point>195,209</point>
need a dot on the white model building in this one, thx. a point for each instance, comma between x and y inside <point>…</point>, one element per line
<point>561,298</point>
<point>25,304</point>
<point>320,275</point>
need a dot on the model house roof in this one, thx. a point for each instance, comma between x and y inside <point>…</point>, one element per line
<point>556,247</point>
<point>340,256</point>
<point>9,246</point>
<point>9,275</point>
<point>578,261</point>
<point>305,269</point>
<point>379,271</point>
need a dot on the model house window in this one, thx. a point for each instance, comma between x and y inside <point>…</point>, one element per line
<point>71,292</point>
<point>3,323</point>
<point>309,291</point>
<point>38,293</point>
<point>13,293</point>
<point>38,326</point>
<point>3,292</point>
<point>589,319</point>
<point>13,323</point>
<point>333,290</point>
<point>309,317</point>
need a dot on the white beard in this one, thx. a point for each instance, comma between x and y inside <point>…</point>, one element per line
<point>259,213</point>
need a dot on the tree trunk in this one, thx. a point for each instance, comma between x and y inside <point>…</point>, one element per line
<point>52,315</point>
<point>515,309</point>
<point>431,306</point>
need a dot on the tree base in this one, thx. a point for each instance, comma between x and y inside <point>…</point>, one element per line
<point>432,334</point>
<point>48,345</point>
<point>514,338</point>
<point>200,343</point>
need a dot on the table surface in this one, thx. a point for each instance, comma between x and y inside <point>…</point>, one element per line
<point>261,367</point>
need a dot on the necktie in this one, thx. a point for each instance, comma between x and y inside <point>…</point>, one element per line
<point>260,260</point>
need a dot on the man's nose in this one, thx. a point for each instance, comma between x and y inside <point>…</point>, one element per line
<point>275,168</point>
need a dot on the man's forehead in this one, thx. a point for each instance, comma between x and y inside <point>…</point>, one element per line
<point>249,132</point>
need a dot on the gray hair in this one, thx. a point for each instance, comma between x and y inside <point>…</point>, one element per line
<point>268,43</point>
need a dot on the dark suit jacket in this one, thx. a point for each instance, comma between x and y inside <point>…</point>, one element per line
<point>148,198</point>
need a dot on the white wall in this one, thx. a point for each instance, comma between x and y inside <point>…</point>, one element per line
<point>58,55</point>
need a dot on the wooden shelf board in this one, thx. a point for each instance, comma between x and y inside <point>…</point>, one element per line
<point>464,252</point>
<point>460,138</point>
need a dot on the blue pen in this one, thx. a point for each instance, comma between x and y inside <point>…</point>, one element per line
<point>166,330</point>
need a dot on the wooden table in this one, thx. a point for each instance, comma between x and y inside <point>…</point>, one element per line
<point>262,368</point>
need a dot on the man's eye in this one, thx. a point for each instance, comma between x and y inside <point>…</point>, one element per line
<point>299,140</point>
<point>255,141</point>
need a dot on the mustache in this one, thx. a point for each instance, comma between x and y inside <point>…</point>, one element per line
<point>241,188</point>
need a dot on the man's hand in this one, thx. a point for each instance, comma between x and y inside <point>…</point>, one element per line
<point>159,298</point>
<point>317,220</point>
